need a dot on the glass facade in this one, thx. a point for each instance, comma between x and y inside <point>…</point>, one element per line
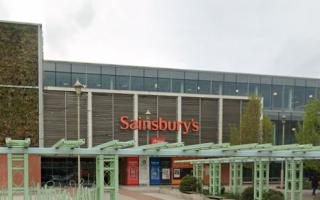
<point>279,93</point>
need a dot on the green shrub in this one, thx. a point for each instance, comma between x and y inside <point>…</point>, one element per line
<point>247,194</point>
<point>273,195</point>
<point>189,184</point>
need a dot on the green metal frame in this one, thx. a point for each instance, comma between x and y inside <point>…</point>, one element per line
<point>261,178</point>
<point>214,178</point>
<point>198,173</point>
<point>293,179</point>
<point>236,177</point>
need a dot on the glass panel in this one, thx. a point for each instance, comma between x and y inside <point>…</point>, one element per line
<point>299,97</point>
<point>49,78</point>
<point>276,96</point>
<point>190,86</point>
<point>122,82</point>
<point>254,89</point>
<point>63,79</point>
<point>49,66</point>
<point>177,85</point>
<point>136,83</point>
<point>107,81</point>
<point>150,84</point>
<point>94,80</point>
<point>242,89</point>
<point>216,87</point>
<point>164,84</point>
<point>79,76</point>
<point>310,93</point>
<point>265,92</point>
<point>287,99</point>
<point>204,87</point>
<point>229,88</point>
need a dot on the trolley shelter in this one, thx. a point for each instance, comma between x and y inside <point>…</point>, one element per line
<point>107,166</point>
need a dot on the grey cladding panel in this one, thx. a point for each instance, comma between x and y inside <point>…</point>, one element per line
<point>190,109</point>
<point>123,106</point>
<point>102,120</point>
<point>209,120</point>
<point>168,110</point>
<point>231,117</point>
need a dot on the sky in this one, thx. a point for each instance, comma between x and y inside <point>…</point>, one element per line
<point>279,37</point>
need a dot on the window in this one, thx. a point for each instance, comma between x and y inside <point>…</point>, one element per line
<point>265,92</point>
<point>63,79</point>
<point>190,86</point>
<point>253,89</point>
<point>276,96</point>
<point>204,87</point>
<point>150,84</point>
<point>107,81</point>
<point>287,97</point>
<point>229,88</point>
<point>79,76</point>
<point>49,78</point>
<point>164,84</point>
<point>136,83</point>
<point>216,87</point>
<point>299,97</point>
<point>94,80</point>
<point>242,89</point>
<point>310,93</point>
<point>177,85</point>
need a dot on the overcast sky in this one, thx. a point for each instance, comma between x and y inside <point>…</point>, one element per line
<point>255,36</point>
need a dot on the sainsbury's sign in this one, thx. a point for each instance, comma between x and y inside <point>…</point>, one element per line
<point>159,124</point>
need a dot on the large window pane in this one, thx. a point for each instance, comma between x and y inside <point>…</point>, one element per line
<point>216,87</point>
<point>107,81</point>
<point>299,97</point>
<point>136,83</point>
<point>190,86</point>
<point>94,80</point>
<point>164,84</point>
<point>310,93</point>
<point>79,76</point>
<point>265,92</point>
<point>63,79</point>
<point>122,82</point>
<point>253,89</point>
<point>229,88</point>
<point>49,78</point>
<point>204,87</point>
<point>150,84</point>
<point>276,96</point>
<point>242,89</point>
<point>288,96</point>
<point>177,85</point>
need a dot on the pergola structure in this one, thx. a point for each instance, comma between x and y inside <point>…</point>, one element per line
<point>107,162</point>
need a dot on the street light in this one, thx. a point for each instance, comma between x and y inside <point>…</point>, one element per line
<point>283,120</point>
<point>148,113</point>
<point>78,87</point>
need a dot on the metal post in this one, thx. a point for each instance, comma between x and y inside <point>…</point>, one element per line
<point>214,178</point>
<point>261,178</point>
<point>135,117</point>
<point>100,177</point>
<point>220,121</point>
<point>89,107</point>
<point>283,120</point>
<point>26,176</point>
<point>179,117</point>
<point>79,167</point>
<point>10,179</point>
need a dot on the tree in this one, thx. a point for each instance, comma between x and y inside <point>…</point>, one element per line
<point>309,131</point>
<point>252,129</point>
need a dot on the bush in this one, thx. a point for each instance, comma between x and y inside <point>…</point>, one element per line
<point>247,194</point>
<point>189,184</point>
<point>273,195</point>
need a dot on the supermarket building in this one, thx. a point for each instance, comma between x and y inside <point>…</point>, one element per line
<point>205,103</point>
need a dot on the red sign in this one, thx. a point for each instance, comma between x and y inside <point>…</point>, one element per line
<point>160,124</point>
<point>155,140</point>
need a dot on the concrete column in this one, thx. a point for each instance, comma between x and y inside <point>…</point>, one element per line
<point>135,117</point>
<point>40,90</point>
<point>89,136</point>
<point>220,121</point>
<point>179,118</point>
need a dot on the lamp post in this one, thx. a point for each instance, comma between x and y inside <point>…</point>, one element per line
<point>78,87</point>
<point>283,120</point>
<point>148,113</point>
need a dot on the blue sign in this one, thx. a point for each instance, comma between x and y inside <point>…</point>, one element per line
<point>155,171</point>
